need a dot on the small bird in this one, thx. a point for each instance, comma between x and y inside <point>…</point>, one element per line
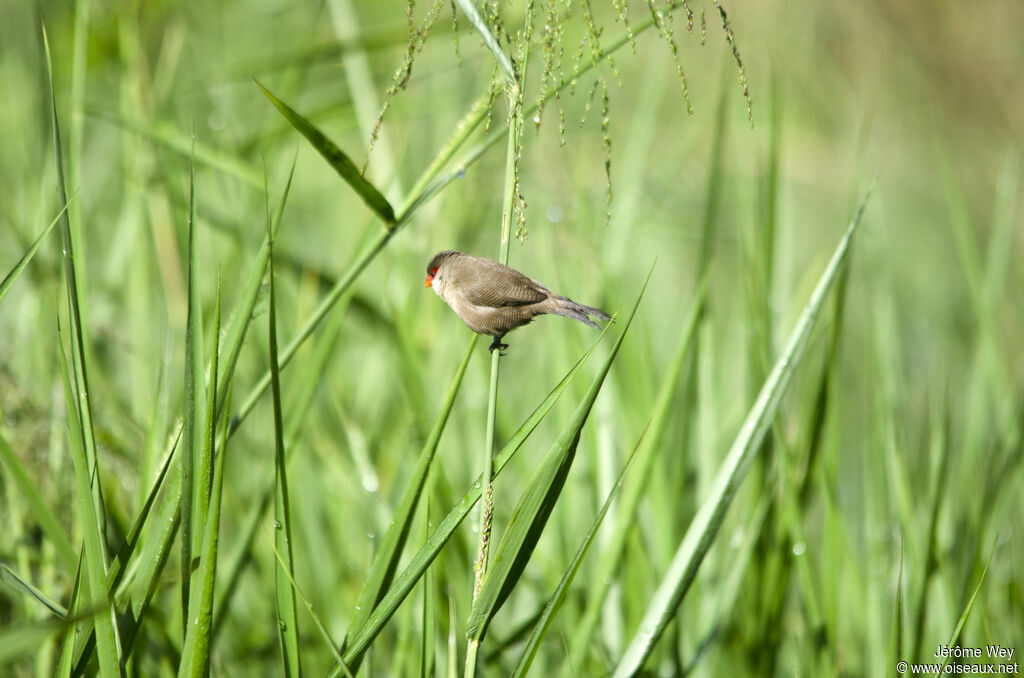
<point>492,298</point>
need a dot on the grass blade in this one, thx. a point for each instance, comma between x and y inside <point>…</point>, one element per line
<point>406,580</point>
<point>614,550</point>
<point>500,57</point>
<point>704,528</point>
<point>385,561</point>
<point>540,629</point>
<point>45,517</point>
<point>95,569</point>
<point>967,608</point>
<point>191,439</point>
<point>531,514</point>
<point>83,442</point>
<point>195,659</point>
<point>337,159</point>
<point>12,579</point>
<point>287,620</point>
<point>8,281</point>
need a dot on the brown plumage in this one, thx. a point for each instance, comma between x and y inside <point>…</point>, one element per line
<point>494,299</point>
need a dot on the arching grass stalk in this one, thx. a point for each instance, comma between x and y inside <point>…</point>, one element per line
<point>514,95</point>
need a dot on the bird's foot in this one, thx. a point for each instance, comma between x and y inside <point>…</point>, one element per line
<point>496,344</point>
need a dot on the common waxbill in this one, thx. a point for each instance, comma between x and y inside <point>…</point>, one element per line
<point>494,299</point>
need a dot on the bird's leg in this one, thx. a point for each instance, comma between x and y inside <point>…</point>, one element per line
<point>496,344</point>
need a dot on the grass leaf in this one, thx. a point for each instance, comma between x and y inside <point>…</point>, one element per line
<point>362,638</point>
<point>287,619</point>
<point>337,159</point>
<point>540,629</point>
<point>385,561</point>
<point>195,659</point>
<point>8,281</point>
<point>704,528</point>
<point>500,57</point>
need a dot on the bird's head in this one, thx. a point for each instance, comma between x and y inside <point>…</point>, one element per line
<point>435,269</point>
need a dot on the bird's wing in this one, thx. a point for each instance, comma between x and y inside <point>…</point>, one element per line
<point>497,286</point>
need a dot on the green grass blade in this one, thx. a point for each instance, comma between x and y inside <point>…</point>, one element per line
<point>615,548</point>
<point>316,619</point>
<point>534,508</point>
<point>896,635</point>
<point>385,561</point>
<point>191,438</point>
<point>15,471</point>
<point>287,619</point>
<point>406,580</point>
<point>83,446</point>
<point>704,528</point>
<point>250,295</point>
<point>540,629</point>
<point>8,281</point>
<point>67,651</point>
<point>490,41</point>
<point>195,660</point>
<point>968,607</point>
<point>337,159</point>
<point>95,569</point>
<point>164,524</point>
<point>16,582</point>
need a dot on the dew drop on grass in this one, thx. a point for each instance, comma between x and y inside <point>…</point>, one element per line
<point>277,524</point>
<point>554,213</point>
<point>799,548</point>
<point>461,174</point>
<point>370,482</point>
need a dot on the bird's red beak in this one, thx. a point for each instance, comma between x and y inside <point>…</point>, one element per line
<point>430,281</point>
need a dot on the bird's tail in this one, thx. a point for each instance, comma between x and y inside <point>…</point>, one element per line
<point>584,314</point>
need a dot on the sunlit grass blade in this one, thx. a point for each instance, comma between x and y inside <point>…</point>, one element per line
<point>361,639</point>
<point>534,508</point>
<point>385,561</point>
<point>15,473</point>
<point>967,608</point>
<point>615,548</point>
<point>705,526</point>
<point>195,660</point>
<point>8,281</point>
<point>337,159</point>
<point>287,619</point>
<point>540,629</point>
<point>191,437</point>
<point>500,57</point>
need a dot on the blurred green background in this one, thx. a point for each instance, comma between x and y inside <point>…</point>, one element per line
<point>919,102</point>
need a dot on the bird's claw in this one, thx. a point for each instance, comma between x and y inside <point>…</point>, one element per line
<point>496,344</point>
